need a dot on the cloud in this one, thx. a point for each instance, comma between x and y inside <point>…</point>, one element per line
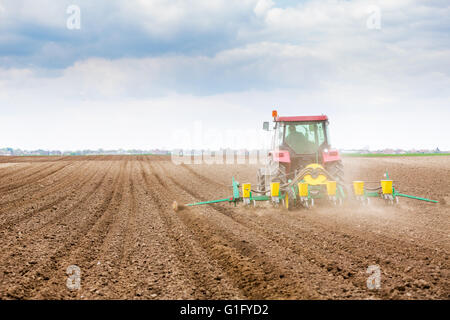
<point>359,116</point>
<point>254,66</point>
<point>155,27</point>
<point>34,32</point>
<point>262,6</point>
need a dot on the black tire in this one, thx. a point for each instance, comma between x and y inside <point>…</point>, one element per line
<point>261,181</point>
<point>336,170</point>
<point>276,174</point>
<point>291,198</point>
<point>281,175</point>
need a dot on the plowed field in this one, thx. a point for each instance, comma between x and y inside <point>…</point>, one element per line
<point>111,216</point>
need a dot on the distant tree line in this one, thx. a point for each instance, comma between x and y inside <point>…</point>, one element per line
<point>41,152</point>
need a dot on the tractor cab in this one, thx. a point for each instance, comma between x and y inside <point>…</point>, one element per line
<point>301,137</point>
<point>299,141</point>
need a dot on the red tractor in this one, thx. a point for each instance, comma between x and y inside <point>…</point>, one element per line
<point>300,142</point>
<point>302,168</point>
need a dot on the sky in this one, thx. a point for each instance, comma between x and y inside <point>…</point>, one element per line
<point>206,74</point>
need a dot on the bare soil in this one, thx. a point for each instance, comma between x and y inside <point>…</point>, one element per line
<point>111,216</point>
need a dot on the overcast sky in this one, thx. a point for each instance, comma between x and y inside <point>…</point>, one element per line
<point>146,74</point>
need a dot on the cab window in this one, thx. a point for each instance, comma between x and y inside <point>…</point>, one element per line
<point>304,138</point>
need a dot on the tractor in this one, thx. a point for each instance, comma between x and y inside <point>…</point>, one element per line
<point>300,144</point>
<point>301,168</point>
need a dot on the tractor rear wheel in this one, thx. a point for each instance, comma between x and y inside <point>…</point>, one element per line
<point>280,175</point>
<point>336,170</point>
<point>290,199</point>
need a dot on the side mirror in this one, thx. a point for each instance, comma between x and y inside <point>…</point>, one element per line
<point>266,126</point>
